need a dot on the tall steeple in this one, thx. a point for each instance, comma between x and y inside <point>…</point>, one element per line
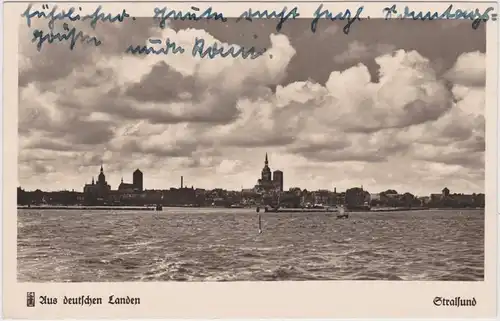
<point>266,171</point>
<point>101,178</point>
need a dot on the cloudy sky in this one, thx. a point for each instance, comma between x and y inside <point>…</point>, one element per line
<point>394,104</point>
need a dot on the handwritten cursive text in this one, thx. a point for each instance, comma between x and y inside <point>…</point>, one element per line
<point>169,47</point>
<point>72,14</point>
<point>326,14</point>
<point>52,15</point>
<point>283,15</point>
<point>163,14</point>
<point>70,35</point>
<point>450,13</point>
<point>98,16</point>
<point>218,50</point>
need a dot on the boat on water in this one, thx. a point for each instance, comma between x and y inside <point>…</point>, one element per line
<point>342,213</point>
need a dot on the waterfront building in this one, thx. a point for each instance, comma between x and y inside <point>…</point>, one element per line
<point>269,182</point>
<point>266,171</point>
<point>324,197</point>
<point>97,191</point>
<point>356,197</point>
<point>278,180</point>
<point>138,180</point>
<point>136,186</point>
<point>125,187</point>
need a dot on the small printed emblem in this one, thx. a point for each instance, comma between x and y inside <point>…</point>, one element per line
<point>30,299</point>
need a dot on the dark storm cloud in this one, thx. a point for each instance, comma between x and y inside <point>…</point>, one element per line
<point>160,114</point>
<point>89,133</point>
<point>38,168</point>
<point>181,150</point>
<point>254,141</point>
<point>74,127</point>
<point>163,84</point>
<point>83,132</point>
<point>312,148</point>
<point>416,112</point>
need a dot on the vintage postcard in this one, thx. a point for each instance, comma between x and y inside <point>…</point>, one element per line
<point>250,160</point>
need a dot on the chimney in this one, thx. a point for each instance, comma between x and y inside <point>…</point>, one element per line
<point>182,181</point>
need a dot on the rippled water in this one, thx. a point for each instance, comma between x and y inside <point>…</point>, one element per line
<point>223,245</point>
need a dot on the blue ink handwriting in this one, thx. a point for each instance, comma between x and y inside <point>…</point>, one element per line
<point>170,47</point>
<point>214,51</point>
<point>97,16</point>
<point>52,15</point>
<point>326,14</point>
<point>199,49</point>
<point>283,15</point>
<point>450,13</point>
<point>71,14</point>
<point>71,35</point>
<point>163,14</point>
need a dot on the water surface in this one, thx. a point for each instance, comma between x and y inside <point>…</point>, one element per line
<point>224,245</point>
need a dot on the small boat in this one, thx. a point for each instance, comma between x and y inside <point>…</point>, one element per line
<point>342,213</point>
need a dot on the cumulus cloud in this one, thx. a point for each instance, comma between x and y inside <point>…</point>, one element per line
<point>212,120</point>
<point>469,69</point>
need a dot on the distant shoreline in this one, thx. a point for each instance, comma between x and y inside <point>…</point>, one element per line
<point>285,210</point>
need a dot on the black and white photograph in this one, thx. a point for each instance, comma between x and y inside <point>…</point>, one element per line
<point>321,156</point>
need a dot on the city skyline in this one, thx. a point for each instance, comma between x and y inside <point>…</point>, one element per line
<point>401,110</point>
<point>131,183</point>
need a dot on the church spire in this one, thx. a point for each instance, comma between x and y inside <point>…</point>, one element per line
<point>266,171</point>
<point>102,170</point>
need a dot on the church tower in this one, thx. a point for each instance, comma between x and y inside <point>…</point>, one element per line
<point>101,180</point>
<point>266,171</point>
